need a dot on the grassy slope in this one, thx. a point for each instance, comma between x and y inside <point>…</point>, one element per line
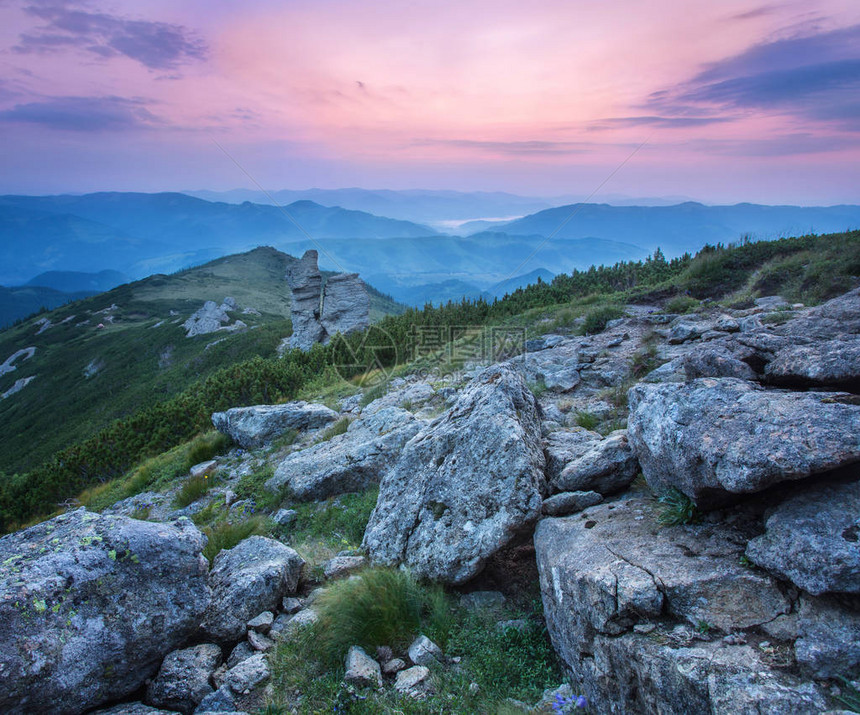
<point>142,363</point>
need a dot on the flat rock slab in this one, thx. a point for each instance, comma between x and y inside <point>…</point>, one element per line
<point>465,485</point>
<point>348,462</point>
<point>89,606</point>
<point>813,540</point>
<point>833,363</point>
<point>256,426</point>
<point>717,438</point>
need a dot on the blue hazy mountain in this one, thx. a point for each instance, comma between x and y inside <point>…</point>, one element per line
<point>76,281</point>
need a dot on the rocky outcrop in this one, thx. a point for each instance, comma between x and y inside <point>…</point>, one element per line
<point>828,642</point>
<point>246,580</point>
<point>9,364</point>
<point>344,308</point>
<point>833,363</point>
<point>617,591</point>
<point>716,362</point>
<point>348,462</point>
<point>252,427</point>
<point>716,438</point>
<point>346,305</point>
<point>90,604</point>
<point>211,318</point>
<point>813,540</point>
<point>465,485</point>
<point>305,282</point>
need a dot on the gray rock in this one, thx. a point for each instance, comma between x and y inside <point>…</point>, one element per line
<point>343,566</point>
<point>285,517</point>
<point>716,362</point>
<point>248,674</point>
<point>362,670</point>
<point>219,701</point>
<point>262,622</point>
<point>132,709</point>
<point>210,318</point>
<point>465,485</point>
<point>291,605</point>
<point>834,363</point>
<point>570,502</point>
<point>564,446</point>
<point>812,540</point>
<point>717,438</point>
<point>89,606</point>
<point>305,282</point>
<point>279,626</point>
<point>423,651</point>
<point>183,679</point>
<point>252,427</point>
<point>346,305</point>
<point>259,642</point>
<point>302,619</point>
<point>829,638</point>
<point>683,332</point>
<point>393,666</point>
<point>242,651</point>
<point>250,578</point>
<point>606,467</point>
<point>348,462</point>
<point>599,577</point>
<point>413,682</point>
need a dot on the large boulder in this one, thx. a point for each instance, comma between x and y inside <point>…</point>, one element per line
<point>717,438</point>
<point>246,580</point>
<point>305,282</point>
<point>348,462</point>
<point>89,606</point>
<point>813,540</point>
<point>716,361</point>
<point>465,485</point>
<point>623,598</point>
<point>829,637</point>
<point>833,363</point>
<point>252,427</point>
<point>346,304</point>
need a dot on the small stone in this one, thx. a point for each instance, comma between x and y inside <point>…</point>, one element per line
<point>517,624</point>
<point>263,622</point>
<point>279,626</point>
<point>570,502</point>
<point>413,682</point>
<point>342,566</point>
<point>423,651</point>
<point>393,666</point>
<point>259,642</point>
<point>291,605</point>
<point>204,469</point>
<point>230,497</point>
<point>314,595</point>
<point>221,701</point>
<point>384,653</point>
<point>241,652</point>
<point>285,517</point>
<point>474,689</point>
<point>644,628</point>
<point>248,674</point>
<point>362,670</point>
<point>735,639</point>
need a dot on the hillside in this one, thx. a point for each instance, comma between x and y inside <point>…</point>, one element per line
<point>141,234</point>
<point>683,227</point>
<point>659,472</point>
<point>85,376</point>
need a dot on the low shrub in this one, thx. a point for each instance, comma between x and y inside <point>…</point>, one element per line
<point>192,489</point>
<point>597,318</point>
<point>681,304</point>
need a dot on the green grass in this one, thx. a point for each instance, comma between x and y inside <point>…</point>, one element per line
<point>587,420</point>
<point>681,304</point>
<point>157,472</point>
<point>597,318</point>
<point>253,486</point>
<point>504,663</point>
<point>192,489</point>
<point>676,509</point>
<point>339,521</point>
<point>339,427</point>
<point>226,534</point>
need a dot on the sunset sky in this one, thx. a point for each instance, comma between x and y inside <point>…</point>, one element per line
<point>730,101</point>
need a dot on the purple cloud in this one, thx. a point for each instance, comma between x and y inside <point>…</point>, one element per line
<point>82,114</point>
<point>157,45</point>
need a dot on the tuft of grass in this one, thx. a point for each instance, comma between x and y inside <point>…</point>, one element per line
<point>587,420</point>
<point>644,360</point>
<point>597,318</point>
<point>339,521</point>
<point>850,696</point>
<point>192,489</point>
<point>681,304</point>
<point>226,534</point>
<point>339,427</point>
<point>383,606</point>
<point>253,486</point>
<point>676,508</point>
<point>374,393</point>
<point>538,388</point>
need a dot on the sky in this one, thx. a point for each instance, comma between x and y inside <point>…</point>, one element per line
<point>719,101</point>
